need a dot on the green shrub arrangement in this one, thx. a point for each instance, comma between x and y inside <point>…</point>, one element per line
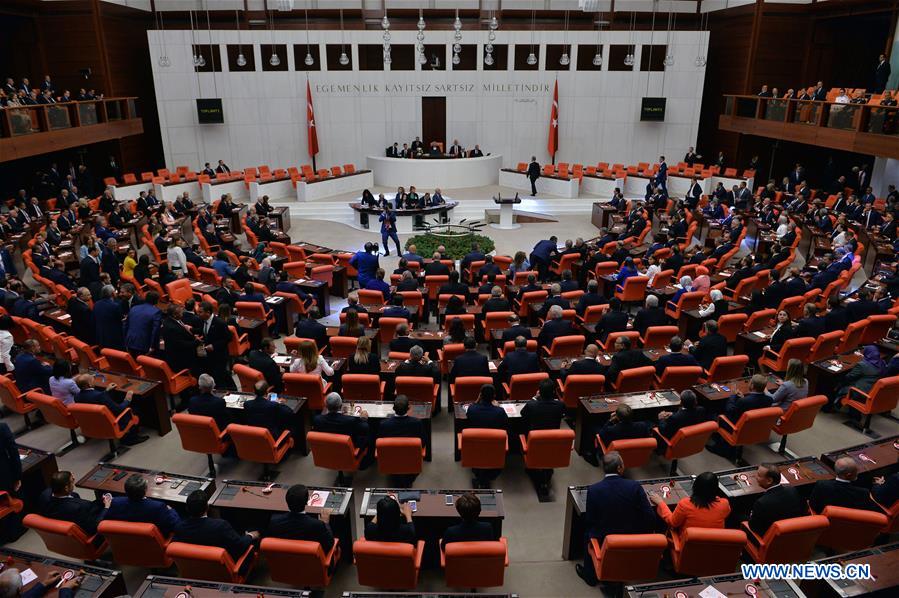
<point>456,247</point>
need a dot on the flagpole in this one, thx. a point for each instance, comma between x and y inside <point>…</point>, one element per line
<point>314,167</point>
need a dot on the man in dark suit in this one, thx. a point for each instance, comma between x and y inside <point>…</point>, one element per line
<point>59,501</point>
<point>89,395</point>
<point>453,286</point>
<point>107,317</point>
<point>10,461</point>
<point>83,325</point>
<point>437,268</point>
<point>470,529</point>
<point>208,404</point>
<point>651,315</point>
<point>616,505</point>
<point>30,372</point>
<point>533,174</point>
<point>591,297</point>
<point>177,337</point>
<point>757,398</point>
<point>779,501</point>
<point>402,425</point>
<point>675,357</point>
<point>298,525</point>
<point>260,411</point>
<point>215,336</point>
<point>863,307</point>
<point>836,317</point>
<point>542,255</point>
<point>530,286</point>
<point>519,361</point>
<point>333,421</point>
<point>811,325</point>
<point>554,298</point>
<point>222,168</point>
<point>418,365</point>
<point>137,508</point>
<point>546,412</point>
<point>688,414</point>
<point>515,329</point>
<point>142,326</point>
<point>886,489</point>
<point>842,491</point>
<point>588,365</point>
<point>710,346</point>
<point>486,413</point>
<point>469,363</point>
<point>496,302</point>
<point>261,361</point>
<point>554,327</point>
<point>475,255</point>
<point>310,327</point>
<point>625,358</point>
<point>881,74</point>
<point>402,343</point>
<point>90,268</point>
<point>197,528</point>
<point>621,426</point>
<point>613,320</point>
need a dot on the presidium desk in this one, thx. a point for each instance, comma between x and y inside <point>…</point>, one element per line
<point>433,172</point>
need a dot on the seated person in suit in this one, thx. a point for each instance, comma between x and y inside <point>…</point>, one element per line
<point>261,360</point>
<point>488,268</point>
<point>703,508</point>
<point>613,320</point>
<point>470,529</point>
<point>587,365</point>
<point>402,425</point>
<point>568,283</point>
<point>546,412</point>
<point>401,343</point>
<point>615,505</point>
<point>352,304</point>
<point>811,325</point>
<point>621,426</point>
<point>675,356</point>
<point>275,416</point>
<point>496,302</point>
<point>757,398</point>
<point>136,507</point>
<point>377,284</point>
<point>530,286</point>
<point>519,361</point>
<point>650,315</point>
<point>309,327</point>
<point>469,363</point>
<point>841,491</point>
<point>555,298</point>
<point>296,524</point>
<point>625,358</point>
<point>418,365</point>
<point>515,329</point>
<point>710,346</point>
<point>779,501</point>
<point>30,372</point>
<point>886,489</point>
<point>486,413</point>
<point>87,394</point>
<point>197,528</point>
<point>333,421</point>
<point>554,327</point>
<point>397,309</point>
<point>407,282</point>
<point>60,501</point>
<point>591,297</point>
<point>392,523</point>
<point>453,286</point>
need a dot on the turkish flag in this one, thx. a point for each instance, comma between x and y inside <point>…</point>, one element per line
<point>310,122</point>
<point>553,143</point>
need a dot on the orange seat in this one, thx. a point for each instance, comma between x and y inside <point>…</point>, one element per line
<point>418,389</point>
<point>179,291</point>
<point>308,386</point>
<point>679,378</point>
<point>576,386</point>
<point>635,379</point>
<point>594,313</point>
<point>689,440</point>
<point>172,383</point>
<point>634,289</point>
<point>727,368</point>
<point>135,544</point>
<point>371,297</point>
<point>627,557</point>
<point>522,387</point>
<point>342,346</point>
<point>387,328</point>
<point>730,325</point>
<point>96,421</point>
<point>9,505</point>
<point>483,448</point>
<point>255,311</point>
<point>14,399</point>
<point>825,346</point>
<point>388,565</point>
<point>363,387</point>
<point>239,343</point>
<point>475,564</point>
<point>336,452</point>
<point>509,346</point>
<point>759,319</point>
<point>399,456</point>
<point>892,513</point>
<point>257,445</point>
<point>798,417</point>
<point>467,389</point>
<point>787,540</point>
<point>794,348</point>
<point>882,398</point>
<point>635,452</point>
<point>609,345</point>
<point>547,449</point>
<point>210,563</point>
<point>877,328</point>
<point>793,306</point>
<point>299,563</point>
<point>852,337</point>
<point>447,354</point>
<point>753,427</point>
<point>687,302</point>
<point>55,412</point>
<point>851,529</point>
<point>566,346</point>
<point>658,337</point>
<point>122,362</point>
<point>496,320</point>
<point>700,551</point>
<point>66,538</point>
<point>201,434</point>
<point>247,376</point>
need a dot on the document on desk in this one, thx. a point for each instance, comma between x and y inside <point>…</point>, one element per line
<point>711,592</point>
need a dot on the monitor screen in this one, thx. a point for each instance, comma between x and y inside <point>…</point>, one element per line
<point>653,109</point>
<point>209,111</point>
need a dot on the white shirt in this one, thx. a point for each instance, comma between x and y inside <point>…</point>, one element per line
<point>839,240</point>
<point>782,230</point>
<point>297,366</point>
<point>6,342</point>
<point>652,271</point>
<point>843,99</point>
<point>177,259</point>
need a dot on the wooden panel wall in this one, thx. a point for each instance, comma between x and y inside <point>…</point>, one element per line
<point>70,42</point>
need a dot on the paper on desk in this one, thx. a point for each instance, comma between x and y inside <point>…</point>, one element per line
<point>27,577</point>
<point>318,498</point>
<point>711,592</point>
<point>491,366</point>
<point>834,368</point>
<point>760,334</point>
<point>282,359</point>
<point>509,409</point>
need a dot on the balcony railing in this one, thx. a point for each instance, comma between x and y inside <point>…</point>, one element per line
<point>41,118</point>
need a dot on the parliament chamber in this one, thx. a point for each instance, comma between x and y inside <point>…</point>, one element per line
<point>311,300</point>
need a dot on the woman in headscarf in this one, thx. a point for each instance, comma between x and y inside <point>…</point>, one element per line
<point>702,282</point>
<point>864,374</point>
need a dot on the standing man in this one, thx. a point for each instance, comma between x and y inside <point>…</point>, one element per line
<point>388,230</point>
<point>142,326</point>
<point>662,175</point>
<point>215,336</point>
<point>533,174</point>
<point>881,74</point>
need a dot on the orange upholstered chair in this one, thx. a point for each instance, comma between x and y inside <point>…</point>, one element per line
<point>466,389</point>
<point>508,346</point>
<point>55,412</point>
<point>852,337</point>
<point>700,551</point>
<point>689,440</point>
<point>179,291</point>
<point>680,377</point>
<point>547,449</point>
<point>727,368</point>
<point>787,540</point>
<point>634,289</point>
<point>798,417</point>
<point>730,325</point>
<point>877,328</point>
<point>211,562</point>
<point>87,355</point>
<point>627,557</point>
<point>753,427</point>
<point>66,538</point>
<point>122,362</point>
<point>247,376</point>
<point>686,302</point>
<point>9,505</point>
<point>658,337</point>
<point>418,389</point>
<point>825,346</point>
<point>495,320</point>
<point>387,328</point>
<point>388,565</point>
<point>299,563</point>
<point>309,386</point>
<point>522,387</point>
<point>399,456</point>
<point>96,421</point>
<point>201,434</point>
<point>576,386</point>
<point>609,345</point>
<point>475,564</point>
<point>363,386</point>
<point>336,452</point>
<point>794,348</point>
<point>256,444</point>
<point>635,452</point>
<point>371,297</point>
<point>851,529</point>
<point>483,448</point>
<point>634,379</point>
<point>566,346</point>
<point>135,544</point>
<point>158,370</point>
<point>759,319</point>
<point>882,398</point>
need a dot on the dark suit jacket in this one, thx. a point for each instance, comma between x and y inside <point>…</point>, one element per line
<point>588,299</point>
<point>274,416</point>
<point>708,348</point>
<point>469,363</point>
<point>674,360</point>
<point>552,329</point>
<point>180,344</point>
<point>92,396</point>
<point>436,269</point>
<point>146,510</point>
<point>617,505</point>
<point>83,326</point>
<point>888,492</point>
<point>585,366</point>
<point>737,406</point>
<point>813,327</point>
<point>402,344</point>
<point>647,317</point>
<point>475,531</point>
<point>519,361</point>
<point>338,423</point>
<point>513,332</point>
<point>542,415</point>
<point>626,360</point>
<point>486,416</point>
<point>840,494</point>
<point>613,321</point>
<point>211,406</point>
<point>418,369</point>
<point>207,531</point>
<point>83,513</point>
<point>301,526</point>
<point>401,426</point>
<point>10,463</point>
<point>778,502</point>
<point>610,432</point>
<point>681,418</point>
<point>31,373</point>
<point>861,309</point>
<point>108,324</point>
<point>142,330</point>
<point>263,362</point>
<point>496,304</point>
<point>836,319</point>
<point>309,328</point>
<point>90,271</point>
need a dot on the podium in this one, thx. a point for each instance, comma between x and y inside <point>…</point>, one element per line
<point>506,212</point>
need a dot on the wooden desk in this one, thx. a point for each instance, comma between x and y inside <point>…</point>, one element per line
<point>884,562</point>
<point>728,585</point>
<point>256,330</point>
<point>576,509</point>
<point>596,409</point>
<point>554,365</point>
<point>96,582</point>
<point>824,375</point>
<point>171,488</point>
<point>59,319</point>
<point>37,468</point>
<point>602,213</point>
<point>381,410</point>
<point>741,481</point>
<point>234,401</point>
<point>281,215</point>
<point>150,403</point>
<point>720,391</point>
<point>752,343</point>
<point>247,507</point>
<point>879,457</point>
<point>318,289</point>
<point>175,587</point>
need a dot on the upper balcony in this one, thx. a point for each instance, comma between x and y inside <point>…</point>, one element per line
<point>39,129</point>
<point>861,128</point>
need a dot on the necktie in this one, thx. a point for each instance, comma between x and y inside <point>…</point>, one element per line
<point>206,326</point>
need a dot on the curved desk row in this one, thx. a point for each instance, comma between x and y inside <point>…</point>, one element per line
<point>406,220</point>
<point>431,174</point>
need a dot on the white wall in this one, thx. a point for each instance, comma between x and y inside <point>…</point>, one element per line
<point>265,112</point>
